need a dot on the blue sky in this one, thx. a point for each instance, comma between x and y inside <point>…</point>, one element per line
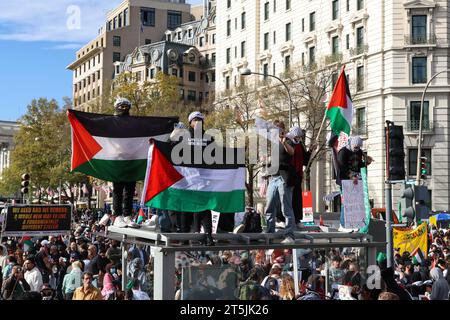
<point>38,42</point>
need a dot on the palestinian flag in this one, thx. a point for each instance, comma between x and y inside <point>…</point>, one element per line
<point>191,187</point>
<point>340,108</point>
<point>417,256</point>
<point>27,243</point>
<point>113,148</point>
<point>141,216</point>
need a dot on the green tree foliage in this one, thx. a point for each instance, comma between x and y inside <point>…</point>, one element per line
<point>42,149</point>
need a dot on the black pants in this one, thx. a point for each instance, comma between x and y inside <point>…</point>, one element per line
<point>226,222</point>
<point>123,193</point>
<point>185,219</point>
<point>297,201</point>
<point>203,218</point>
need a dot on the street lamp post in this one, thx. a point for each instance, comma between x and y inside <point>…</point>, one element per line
<point>419,144</point>
<point>247,72</point>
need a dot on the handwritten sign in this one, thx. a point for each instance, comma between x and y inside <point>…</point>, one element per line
<point>215,221</point>
<point>307,207</point>
<point>36,220</point>
<point>354,207</point>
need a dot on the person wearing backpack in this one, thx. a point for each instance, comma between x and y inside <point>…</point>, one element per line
<point>72,280</point>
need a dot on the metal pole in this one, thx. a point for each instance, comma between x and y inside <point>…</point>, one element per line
<point>389,250</point>
<point>295,267</point>
<point>419,144</point>
<point>164,270</point>
<point>124,264</point>
<point>288,92</point>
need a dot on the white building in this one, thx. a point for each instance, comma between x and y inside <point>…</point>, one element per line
<point>7,131</point>
<point>391,48</point>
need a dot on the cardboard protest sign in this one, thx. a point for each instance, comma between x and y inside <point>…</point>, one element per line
<point>354,207</point>
<point>307,207</point>
<point>38,220</point>
<point>411,240</point>
<point>215,220</point>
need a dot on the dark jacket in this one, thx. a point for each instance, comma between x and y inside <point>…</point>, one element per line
<point>285,169</point>
<point>13,290</point>
<point>349,163</point>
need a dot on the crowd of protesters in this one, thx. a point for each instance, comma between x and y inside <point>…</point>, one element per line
<point>87,266</point>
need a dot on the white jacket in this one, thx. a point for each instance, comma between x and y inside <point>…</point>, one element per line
<point>34,279</point>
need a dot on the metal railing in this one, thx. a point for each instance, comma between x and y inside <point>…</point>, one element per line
<point>413,125</point>
<point>429,39</point>
<point>360,130</point>
<point>333,58</point>
<point>361,49</point>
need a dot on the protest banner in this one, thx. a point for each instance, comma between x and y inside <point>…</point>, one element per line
<point>411,240</point>
<point>307,207</point>
<point>38,220</point>
<point>354,208</point>
<point>215,221</point>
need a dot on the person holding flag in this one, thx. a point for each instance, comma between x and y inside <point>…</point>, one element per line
<point>350,159</point>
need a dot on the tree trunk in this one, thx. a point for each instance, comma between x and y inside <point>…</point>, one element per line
<point>307,179</point>
<point>249,185</point>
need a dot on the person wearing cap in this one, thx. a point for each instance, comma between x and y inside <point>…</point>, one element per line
<point>123,192</point>
<point>281,185</point>
<point>199,139</point>
<point>299,160</point>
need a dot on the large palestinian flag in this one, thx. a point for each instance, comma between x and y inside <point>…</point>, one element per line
<point>113,148</point>
<point>190,187</point>
<point>340,108</point>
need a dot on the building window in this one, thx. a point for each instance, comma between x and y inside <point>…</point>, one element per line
<point>200,96</point>
<point>227,82</point>
<point>115,23</point>
<point>419,70</point>
<point>116,56</point>
<point>334,78</point>
<point>419,29</point>
<point>213,58</point>
<point>266,11</point>
<point>274,69</point>
<point>175,72</point>
<point>152,73</point>
<point>312,55</point>
<point>148,17</point>
<point>243,20</point>
<point>274,37</point>
<point>125,17</point>
<point>191,76</point>
<point>235,24</point>
<point>360,121</point>
<point>182,94</point>
<point>98,59</point>
<point>335,9</point>
<point>75,87</point>
<point>120,20</point>
<point>359,4</point>
<point>360,37</point>
<point>179,35</point>
<point>235,52</point>
<point>228,4</point>
<point>360,78</point>
<point>214,38</point>
<point>347,41</point>
<point>303,58</point>
<point>148,41</point>
<point>173,19</point>
<point>348,5</point>
<point>266,41</point>
<point>335,45</point>
<point>303,25</point>
<point>201,41</point>
<point>274,5</point>
<point>412,161</point>
<point>312,21</point>
<point>93,77</point>
<point>109,25</point>
<point>288,4</point>
<point>265,70</point>
<point>228,28</point>
<point>116,41</point>
<point>228,55</point>
<point>89,95</point>
<point>414,116</point>
<point>191,95</point>
<point>242,49</point>
<point>288,31</point>
<point>287,63</point>
<point>98,75</point>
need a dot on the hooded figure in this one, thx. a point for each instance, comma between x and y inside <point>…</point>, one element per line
<point>440,289</point>
<point>351,158</point>
<point>136,272</point>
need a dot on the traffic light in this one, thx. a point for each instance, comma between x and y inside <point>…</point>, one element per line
<point>25,183</point>
<point>407,203</point>
<point>395,152</point>
<point>422,198</point>
<point>423,168</point>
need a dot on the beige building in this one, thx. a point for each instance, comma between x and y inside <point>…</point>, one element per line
<point>7,131</point>
<point>390,48</point>
<point>93,68</point>
<point>187,52</point>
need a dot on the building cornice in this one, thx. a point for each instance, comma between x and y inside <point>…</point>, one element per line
<point>84,58</point>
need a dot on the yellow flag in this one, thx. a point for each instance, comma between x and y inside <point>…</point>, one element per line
<point>410,240</point>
